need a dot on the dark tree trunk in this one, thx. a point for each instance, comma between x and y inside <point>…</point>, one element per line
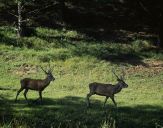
<point>62,5</point>
<point>20,19</point>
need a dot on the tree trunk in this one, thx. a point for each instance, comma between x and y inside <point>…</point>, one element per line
<point>20,29</point>
<point>62,5</point>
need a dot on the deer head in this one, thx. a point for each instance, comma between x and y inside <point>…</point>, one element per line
<point>120,79</point>
<point>49,73</point>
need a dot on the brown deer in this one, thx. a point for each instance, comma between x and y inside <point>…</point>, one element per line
<point>36,84</point>
<point>107,90</point>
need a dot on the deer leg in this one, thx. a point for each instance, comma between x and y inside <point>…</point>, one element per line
<point>40,94</point>
<point>105,101</point>
<point>21,89</point>
<point>25,93</point>
<point>114,101</point>
<point>88,96</point>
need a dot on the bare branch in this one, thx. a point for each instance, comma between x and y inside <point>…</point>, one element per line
<point>144,8</point>
<point>27,20</point>
<point>37,10</point>
<point>13,14</point>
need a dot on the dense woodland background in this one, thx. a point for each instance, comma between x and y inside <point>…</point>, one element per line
<point>121,20</point>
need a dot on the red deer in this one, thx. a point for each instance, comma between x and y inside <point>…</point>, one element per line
<point>107,90</point>
<point>36,84</point>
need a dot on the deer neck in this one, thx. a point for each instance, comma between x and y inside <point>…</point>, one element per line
<point>47,81</point>
<point>117,88</point>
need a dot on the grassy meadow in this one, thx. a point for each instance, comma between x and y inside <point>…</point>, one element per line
<point>79,60</point>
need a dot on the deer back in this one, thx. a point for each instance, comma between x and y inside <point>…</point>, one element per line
<point>34,84</point>
<point>101,89</point>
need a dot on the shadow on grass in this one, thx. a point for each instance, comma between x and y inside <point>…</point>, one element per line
<point>114,55</point>
<point>103,51</point>
<point>72,112</point>
<point>64,37</point>
<point>16,42</point>
<point>8,40</point>
<point>129,58</point>
<point>5,109</point>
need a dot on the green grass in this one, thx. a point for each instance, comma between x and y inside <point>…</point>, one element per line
<point>79,60</point>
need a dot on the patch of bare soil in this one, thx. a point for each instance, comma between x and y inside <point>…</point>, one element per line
<point>154,67</point>
<point>25,69</point>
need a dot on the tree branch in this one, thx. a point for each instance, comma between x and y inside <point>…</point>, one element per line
<point>13,14</point>
<point>144,8</point>
<point>36,10</point>
<point>25,20</point>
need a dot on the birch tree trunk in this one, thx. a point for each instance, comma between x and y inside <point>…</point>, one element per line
<point>20,29</point>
